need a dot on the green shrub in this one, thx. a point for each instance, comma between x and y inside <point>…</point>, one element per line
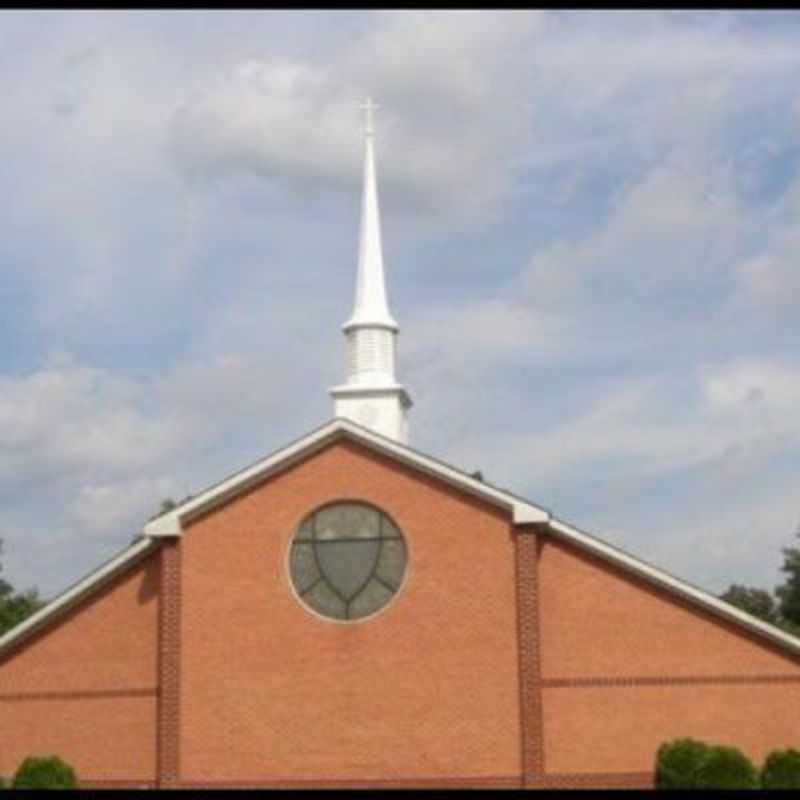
<point>44,772</point>
<point>781,770</point>
<point>677,763</point>
<point>726,768</point>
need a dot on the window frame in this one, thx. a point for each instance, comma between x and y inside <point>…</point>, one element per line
<point>358,501</point>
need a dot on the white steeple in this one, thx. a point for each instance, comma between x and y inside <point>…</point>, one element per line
<point>371,395</point>
<point>370,306</point>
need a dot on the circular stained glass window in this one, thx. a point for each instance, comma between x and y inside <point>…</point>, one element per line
<point>347,560</point>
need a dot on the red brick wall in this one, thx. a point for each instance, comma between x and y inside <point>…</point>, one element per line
<point>426,689</point>
<point>85,687</point>
<point>603,729</point>
<point>626,666</point>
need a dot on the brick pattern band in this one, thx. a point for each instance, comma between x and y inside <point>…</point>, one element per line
<point>169,662</point>
<point>591,780</point>
<point>527,557</point>
<point>598,780</point>
<point>98,694</point>
<point>624,681</point>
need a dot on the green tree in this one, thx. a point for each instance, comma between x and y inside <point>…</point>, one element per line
<point>15,606</point>
<point>757,602</point>
<point>788,593</point>
<point>167,505</point>
<point>782,609</point>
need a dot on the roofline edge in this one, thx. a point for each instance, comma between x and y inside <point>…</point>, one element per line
<point>678,586</point>
<point>73,594</point>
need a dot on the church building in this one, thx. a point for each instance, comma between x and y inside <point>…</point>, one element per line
<point>352,612</point>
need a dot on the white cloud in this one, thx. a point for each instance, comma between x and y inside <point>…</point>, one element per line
<point>67,416</point>
<point>633,93</point>
<point>435,75</point>
<point>492,331</point>
<point>270,117</point>
<point>677,223</point>
<point>688,474</point>
<point>88,454</point>
<point>770,385</point>
<point>770,281</point>
<point>106,509</point>
<point>85,421</point>
<point>719,543</point>
<point>656,425</point>
<point>627,151</point>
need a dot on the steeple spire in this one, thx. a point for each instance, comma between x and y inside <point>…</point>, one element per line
<point>370,304</point>
<point>371,395</point>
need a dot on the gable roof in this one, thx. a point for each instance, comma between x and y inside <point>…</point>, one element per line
<point>171,524</point>
<point>522,512</point>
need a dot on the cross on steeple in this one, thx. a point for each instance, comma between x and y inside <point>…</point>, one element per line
<point>368,107</point>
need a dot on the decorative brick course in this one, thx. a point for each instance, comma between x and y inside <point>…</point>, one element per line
<point>598,780</point>
<point>115,783</point>
<point>482,782</point>
<point>12,697</point>
<point>665,680</point>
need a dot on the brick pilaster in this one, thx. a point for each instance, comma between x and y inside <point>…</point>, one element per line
<point>527,548</point>
<point>169,661</point>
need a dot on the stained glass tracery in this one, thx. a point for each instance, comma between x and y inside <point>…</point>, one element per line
<point>347,560</point>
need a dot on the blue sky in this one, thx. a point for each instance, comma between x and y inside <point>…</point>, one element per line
<point>591,224</point>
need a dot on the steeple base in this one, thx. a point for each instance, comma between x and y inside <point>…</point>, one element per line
<point>383,409</point>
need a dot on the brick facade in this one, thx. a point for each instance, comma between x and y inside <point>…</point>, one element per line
<point>86,687</point>
<point>625,662</point>
<point>508,658</point>
<point>400,694</point>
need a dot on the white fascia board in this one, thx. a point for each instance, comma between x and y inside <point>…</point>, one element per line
<point>171,523</point>
<point>523,513</point>
<point>75,592</point>
<point>663,579</point>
